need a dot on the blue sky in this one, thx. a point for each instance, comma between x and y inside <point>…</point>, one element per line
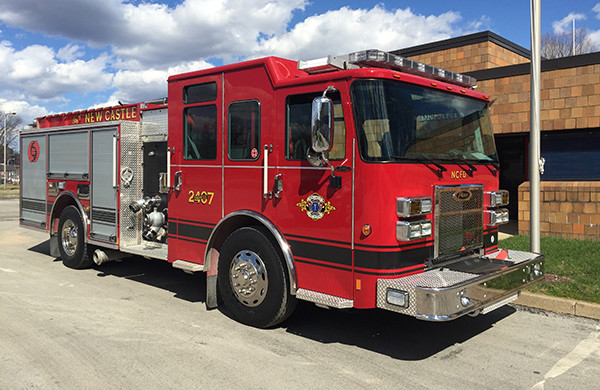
<point>66,55</point>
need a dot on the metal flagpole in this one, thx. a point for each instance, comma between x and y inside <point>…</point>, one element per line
<point>535,163</point>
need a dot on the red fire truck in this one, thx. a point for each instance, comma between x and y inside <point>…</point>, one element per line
<point>365,180</point>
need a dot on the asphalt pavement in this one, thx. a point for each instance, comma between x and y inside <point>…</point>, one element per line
<point>142,324</point>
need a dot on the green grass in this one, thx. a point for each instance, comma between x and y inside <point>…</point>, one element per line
<point>12,191</point>
<point>572,266</point>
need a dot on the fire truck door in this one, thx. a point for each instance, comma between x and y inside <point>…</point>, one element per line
<point>314,211</point>
<point>195,141</point>
<point>104,184</point>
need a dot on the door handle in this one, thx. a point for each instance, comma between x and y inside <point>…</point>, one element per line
<point>178,181</point>
<point>266,193</point>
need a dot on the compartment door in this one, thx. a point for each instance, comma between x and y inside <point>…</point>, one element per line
<point>104,191</point>
<point>33,181</point>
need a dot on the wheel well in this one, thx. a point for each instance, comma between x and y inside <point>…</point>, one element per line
<point>64,200</point>
<point>235,221</point>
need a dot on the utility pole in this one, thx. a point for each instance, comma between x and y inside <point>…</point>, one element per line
<point>535,162</point>
<point>5,137</point>
<point>573,47</point>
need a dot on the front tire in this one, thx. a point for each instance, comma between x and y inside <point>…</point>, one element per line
<point>73,249</point>
<point>252,279</point>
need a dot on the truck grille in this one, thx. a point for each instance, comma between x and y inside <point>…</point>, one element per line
<point>459,218</point>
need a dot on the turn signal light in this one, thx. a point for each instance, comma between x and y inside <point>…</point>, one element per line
<point>498,198</point>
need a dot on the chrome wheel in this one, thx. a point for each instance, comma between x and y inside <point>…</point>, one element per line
<point>69,237</point>
<point>248,277</point>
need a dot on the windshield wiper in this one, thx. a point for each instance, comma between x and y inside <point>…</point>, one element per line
<point>496,166</point>
<point>458,157</point>
<point>424,160</point>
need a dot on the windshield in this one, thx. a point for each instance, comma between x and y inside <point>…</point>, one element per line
<point>397,121</point>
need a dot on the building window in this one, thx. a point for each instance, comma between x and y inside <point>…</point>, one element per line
<point>244,130</point>
<point>299,108</point>
<point>571,155</point>
<point>200,133</point>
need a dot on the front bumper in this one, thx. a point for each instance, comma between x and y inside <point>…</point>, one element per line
<point>474,285</point>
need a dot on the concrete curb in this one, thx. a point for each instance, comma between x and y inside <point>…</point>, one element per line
<point>559,305</point>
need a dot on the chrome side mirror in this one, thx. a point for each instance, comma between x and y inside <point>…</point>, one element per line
<point>322,123</point>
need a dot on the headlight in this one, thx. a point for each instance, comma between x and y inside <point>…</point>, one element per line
<point>496,217</point>
<point>413,230</point>
<point>409,207</point>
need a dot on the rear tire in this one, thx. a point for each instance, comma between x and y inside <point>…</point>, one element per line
<point>74,251</point>
<point>252,279</point>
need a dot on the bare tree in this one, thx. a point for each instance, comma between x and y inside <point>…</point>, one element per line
<point>561,45</point>
<point>12,134</point>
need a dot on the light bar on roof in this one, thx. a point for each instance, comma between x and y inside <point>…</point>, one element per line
<point>382,59</point>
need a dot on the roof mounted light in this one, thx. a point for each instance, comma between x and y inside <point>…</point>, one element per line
<point>382,59</point>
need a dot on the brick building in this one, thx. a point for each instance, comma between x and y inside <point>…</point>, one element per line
<point>570,126</point>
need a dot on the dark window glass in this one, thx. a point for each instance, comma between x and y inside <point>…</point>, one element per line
<point>200,133</point>
<point>571,155</point>
<point>199,93</point>
<point>244,130</point>
<point>299,108</point>
<point>403,122</point>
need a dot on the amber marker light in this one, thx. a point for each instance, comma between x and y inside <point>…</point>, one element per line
<point>366,230</point>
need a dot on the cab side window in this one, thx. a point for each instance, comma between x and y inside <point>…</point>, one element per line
<point>200,122</point>
<point>244,130</point>
<point>200,133</point>
<point>298,112</point>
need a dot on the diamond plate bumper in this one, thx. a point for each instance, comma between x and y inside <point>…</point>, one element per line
<point>474,285</point>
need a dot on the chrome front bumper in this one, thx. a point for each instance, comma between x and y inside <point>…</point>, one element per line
<point>474,285</point>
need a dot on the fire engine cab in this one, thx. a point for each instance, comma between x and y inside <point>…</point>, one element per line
<point>365,180</point>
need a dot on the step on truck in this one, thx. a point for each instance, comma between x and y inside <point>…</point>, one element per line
<point>364,180</point>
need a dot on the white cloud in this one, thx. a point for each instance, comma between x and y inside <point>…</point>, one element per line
<point>139,85</point>
<point>150,35</point>
<point>346,30</point>
<point>596,9</point>
<point>70,52</point>
<point>37,70</point>
<point>25,110</point>
<point>594,37</point>
<point>565,24</point>
<point>154,33</point>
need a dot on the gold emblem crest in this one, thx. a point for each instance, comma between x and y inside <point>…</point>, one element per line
<point>315,206</point>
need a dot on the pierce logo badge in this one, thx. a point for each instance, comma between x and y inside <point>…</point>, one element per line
<point>462,196</point>
<point>315,206</point>
<point>33,151</point>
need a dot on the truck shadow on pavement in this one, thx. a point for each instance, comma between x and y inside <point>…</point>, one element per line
<point>155,273</point>
<point>387,333</point>
<point>392,334</point>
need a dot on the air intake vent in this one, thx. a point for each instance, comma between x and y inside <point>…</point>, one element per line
<point>459,219</point>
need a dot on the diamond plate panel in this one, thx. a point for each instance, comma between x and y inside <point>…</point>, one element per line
<point>131,157</point>
<point>431,279</point>
<point>512,255</point>
<point>324,299</point>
